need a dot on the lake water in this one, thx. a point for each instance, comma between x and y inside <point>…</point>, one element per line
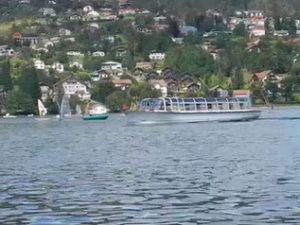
<point>79,172</point>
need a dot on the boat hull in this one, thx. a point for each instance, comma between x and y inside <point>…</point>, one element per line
<point>95,117</point>
<point>140,118</point>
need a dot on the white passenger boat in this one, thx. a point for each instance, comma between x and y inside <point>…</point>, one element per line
<point>192,110</point>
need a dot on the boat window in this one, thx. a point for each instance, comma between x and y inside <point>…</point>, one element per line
<point>168,104</point>
<point>161,105</point>
<point>209,106</point>
<point>201,107</point>
<point>199,99</point>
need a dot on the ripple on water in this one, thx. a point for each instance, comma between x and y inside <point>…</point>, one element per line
<point>107,173</point>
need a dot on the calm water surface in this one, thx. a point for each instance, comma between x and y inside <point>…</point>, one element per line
<point>76,172</point>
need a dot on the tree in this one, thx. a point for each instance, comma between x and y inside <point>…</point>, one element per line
<point>240,30</point>
<point>140,91</point>
<point>19,102</point>
<point>287,88</point>
<point>272,90</point>
<point>116,100</point>
<point>174,28</point>
<point>190,59</point>
<point>102,90</point>
<point>238,79</point>
<point>5,75</point>
<point>29,83</point>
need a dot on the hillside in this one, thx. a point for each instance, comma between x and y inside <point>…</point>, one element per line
<point>181,8</point>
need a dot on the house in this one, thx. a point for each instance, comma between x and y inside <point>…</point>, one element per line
<point>71,86</point>
<point>92,16</point>
<point>48,12</point>
<point>64,32</point>
<point>172,86</point>
<point>218,91</point>
<point>58,67</point>
<point>75,17</point>
<point>74,53</point>
<point>27,2</point>
<point>107,15</point>
<point>6,51</point>
<point>114,68</point>
<point>122,84</point>
<point>262,76</point>
<point>46,92</point>
<point>87,9</point>
<point>76,65</point>
<point>257,28</point>
<point>121,52</point>
<point>157,56</point>
<point>110,65</point>
<point>144,65</point>
<point>100,75</point>
<point>186,78</point>
<point>178,40</point>
<point>127,11</point>
<point>281,33</point>
<point>39,64</point>
<point>20,40</point>
<point>98,54</point>
<point>144,30</point>
<point>241,93</point>
<point>254,14</point>
<point>185,30</point>
<point>139,74</point>
<point>152,75</point>
<point>192,87</point>
<point>160,85</point>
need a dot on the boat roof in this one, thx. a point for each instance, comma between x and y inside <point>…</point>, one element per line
<point>199,100</point>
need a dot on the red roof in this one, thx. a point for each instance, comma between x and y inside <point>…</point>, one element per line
<point>237,93</point>
<point>122,82</point>
<point>263,75</point>
<point>16,35</point>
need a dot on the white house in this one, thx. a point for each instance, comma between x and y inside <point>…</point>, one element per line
<point>39,64</point>
<point>98,54</point>
<point>110,65</point>
<point>76,65</point>
<point>74,87</point>
<point>46,92</point>
<point>157,56</point>
<point>115,68</point>
<point>74,53</point>
<point>64,32</point>
<point>48,12</point>
<point>92,16</point>
<point>59,67</point>
<point>87,9</point>
<point>160,85</point>
<point>6,51</point>
<point>257,28</point>
<point>127,11</point>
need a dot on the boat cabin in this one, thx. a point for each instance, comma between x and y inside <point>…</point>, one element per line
<point>195,105</point>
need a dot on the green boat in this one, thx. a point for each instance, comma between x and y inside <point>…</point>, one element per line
<point>96,117</point>
<point>95,111</point>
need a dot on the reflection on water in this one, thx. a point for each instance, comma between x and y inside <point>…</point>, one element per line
<point>76,172</point>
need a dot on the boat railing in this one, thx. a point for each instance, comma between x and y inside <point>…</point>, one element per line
<point>195,104</point>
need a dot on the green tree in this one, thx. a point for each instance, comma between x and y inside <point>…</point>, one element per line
<point>272,90</point>
<point>190,59</point>
<point>287,88</point>
<point>116,100</point>
<point>102,90</point>
<point>140,91</point>
<point>240,30</point>
<point>29,83</point>
<point>5,75</point>
<point>19,103</point>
